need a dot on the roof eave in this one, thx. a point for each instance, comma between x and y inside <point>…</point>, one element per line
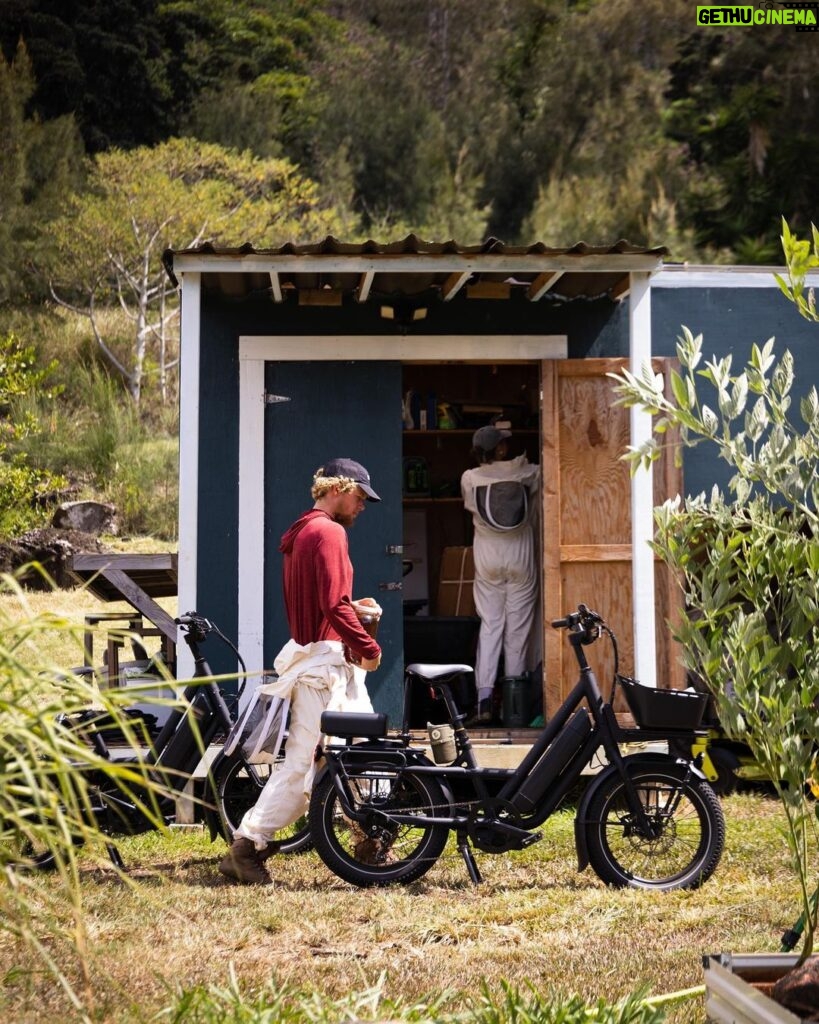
<point>490,263</point>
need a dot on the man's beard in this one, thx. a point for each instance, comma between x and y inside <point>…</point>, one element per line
<point>345,521</point>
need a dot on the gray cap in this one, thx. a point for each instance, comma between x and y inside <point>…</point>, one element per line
<point>350,470</point>
<point>488,438</point>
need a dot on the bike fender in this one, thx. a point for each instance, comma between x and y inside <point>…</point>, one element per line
<point>402,757</point>
<point>636,760</point>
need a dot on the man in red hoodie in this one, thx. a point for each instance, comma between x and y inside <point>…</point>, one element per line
<point>317,665</point>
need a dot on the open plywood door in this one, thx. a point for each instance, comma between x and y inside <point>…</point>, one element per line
<point>587,524</point>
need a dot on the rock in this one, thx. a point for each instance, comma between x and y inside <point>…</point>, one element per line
<point>52,549</point>
<point>798,990</point>
<point>86,517</point>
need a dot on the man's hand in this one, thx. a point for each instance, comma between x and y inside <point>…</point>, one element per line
<point>367,606</point>
<point>370,664</point>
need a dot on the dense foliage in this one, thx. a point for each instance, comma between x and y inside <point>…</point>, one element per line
<point>132,125</point>
<point>454,116</point>
<point>21,483</point>
<point>749,565</point>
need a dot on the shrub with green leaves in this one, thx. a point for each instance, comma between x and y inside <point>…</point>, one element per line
<point>749,566</point>
<point>801,259</point>
<point>20,482</point>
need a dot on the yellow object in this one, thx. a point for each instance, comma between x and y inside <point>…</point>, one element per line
<point>446,421</point>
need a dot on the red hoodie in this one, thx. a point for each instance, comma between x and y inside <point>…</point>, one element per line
<point>318,585</point>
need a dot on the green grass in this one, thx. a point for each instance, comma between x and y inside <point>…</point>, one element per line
<point>175,941</point>
<point>180,929</point>
<point>57,647</point>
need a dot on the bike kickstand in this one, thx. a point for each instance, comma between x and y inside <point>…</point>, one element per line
<point>469,859</point>
<point>114,854</point>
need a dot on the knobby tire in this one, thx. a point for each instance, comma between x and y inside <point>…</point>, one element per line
<point>688,847</point>
<point>399,853</point>
<point>237,791</point>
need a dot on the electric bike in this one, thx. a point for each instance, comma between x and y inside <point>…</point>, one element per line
<point>381,811</point>
<point>230,787</point>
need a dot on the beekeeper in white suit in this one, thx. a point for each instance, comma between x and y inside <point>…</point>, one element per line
<point>502,495</point>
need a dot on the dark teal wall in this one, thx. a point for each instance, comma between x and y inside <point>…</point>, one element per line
<point>731,320</point>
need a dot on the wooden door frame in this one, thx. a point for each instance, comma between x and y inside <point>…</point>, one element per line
<point>255,351</point>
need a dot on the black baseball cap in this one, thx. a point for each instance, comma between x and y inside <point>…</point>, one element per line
<point>350,470</point>
<point>488,438</point>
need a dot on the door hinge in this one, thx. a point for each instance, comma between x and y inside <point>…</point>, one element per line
<point>274,399</point>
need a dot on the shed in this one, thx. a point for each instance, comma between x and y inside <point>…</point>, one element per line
<point>295,354</point>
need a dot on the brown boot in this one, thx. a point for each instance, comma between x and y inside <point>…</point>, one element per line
<point>272,847</point>
<point>243,863</point>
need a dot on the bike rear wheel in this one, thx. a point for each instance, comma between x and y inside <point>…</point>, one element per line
<point>391,852</point>
<point>689,830</point>
<point>237,789</point>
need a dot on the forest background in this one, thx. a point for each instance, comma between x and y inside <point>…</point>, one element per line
<point>130,126</point>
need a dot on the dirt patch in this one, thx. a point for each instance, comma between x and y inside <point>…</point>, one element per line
<point>52,550</point>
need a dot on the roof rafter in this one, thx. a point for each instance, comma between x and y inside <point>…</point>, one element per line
<point>453,285</point>
<point>542,283</point>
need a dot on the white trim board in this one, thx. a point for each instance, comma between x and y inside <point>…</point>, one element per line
<point>724,277</point>
<point>405,348</point>
<point>642,493</point>
<point>254,351</point>
<point>414,263</point>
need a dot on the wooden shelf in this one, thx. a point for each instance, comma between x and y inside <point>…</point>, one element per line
<point>418,499</point>
<point>460,432</point>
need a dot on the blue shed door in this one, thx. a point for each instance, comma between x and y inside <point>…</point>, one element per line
<point>317,411</point>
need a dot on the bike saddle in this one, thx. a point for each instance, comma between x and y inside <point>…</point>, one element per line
<point>369,725</point>
<point>431,672</point>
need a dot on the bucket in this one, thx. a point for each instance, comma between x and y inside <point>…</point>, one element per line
<point>515,707</point>
<point>442,741</point>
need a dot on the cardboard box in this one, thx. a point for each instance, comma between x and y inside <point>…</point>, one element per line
<point>455,586</point>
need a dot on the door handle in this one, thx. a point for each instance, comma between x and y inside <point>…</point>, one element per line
<point>392,585</point>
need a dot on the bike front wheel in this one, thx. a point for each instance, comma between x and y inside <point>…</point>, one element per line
<point>687,830</point>
<point>238,786</point>
<point>379,851</point>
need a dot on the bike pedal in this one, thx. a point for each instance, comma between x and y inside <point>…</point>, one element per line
<point>530,838</point>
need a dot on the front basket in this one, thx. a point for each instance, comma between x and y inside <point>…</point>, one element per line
<point>663,709</point>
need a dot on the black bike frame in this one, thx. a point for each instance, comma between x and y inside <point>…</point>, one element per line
<point>535,789</point>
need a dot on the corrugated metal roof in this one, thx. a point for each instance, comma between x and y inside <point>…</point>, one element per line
<point>328,270</point>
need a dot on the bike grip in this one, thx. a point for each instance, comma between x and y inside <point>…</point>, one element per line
<point>560,623</point>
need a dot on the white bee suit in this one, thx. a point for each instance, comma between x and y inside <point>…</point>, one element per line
<point>313,678</point>
<point>503,498</point>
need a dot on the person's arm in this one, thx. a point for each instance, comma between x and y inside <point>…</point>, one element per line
<point>334,578</point>
<point>468,490</point>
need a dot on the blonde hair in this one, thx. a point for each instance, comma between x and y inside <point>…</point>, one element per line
<point>324,484</point>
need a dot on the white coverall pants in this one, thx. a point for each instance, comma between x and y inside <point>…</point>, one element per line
<point>506,586</point>
<point>506,607</point>
<point>316,678</point>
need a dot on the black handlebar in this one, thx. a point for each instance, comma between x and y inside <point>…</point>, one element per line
<point>583,618</point>
<point>586,627</point>
<point>197,628</point>
<point>194,621</point>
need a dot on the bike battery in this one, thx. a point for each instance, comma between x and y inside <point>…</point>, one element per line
<point>555,759</point>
